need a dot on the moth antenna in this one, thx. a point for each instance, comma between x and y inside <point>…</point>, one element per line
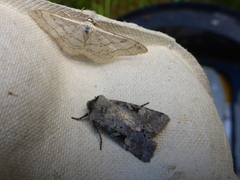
<point>80,117</point>
<point>100,136</point>
<point>145,104</point>
<point>82,10</point>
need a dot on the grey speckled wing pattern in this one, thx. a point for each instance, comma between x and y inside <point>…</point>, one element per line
<point>132,126</point>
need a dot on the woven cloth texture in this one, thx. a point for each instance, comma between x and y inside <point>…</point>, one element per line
<point>43,87</point>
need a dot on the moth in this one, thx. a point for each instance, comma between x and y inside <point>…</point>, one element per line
<point>130,125</point>
<point>86,37</point>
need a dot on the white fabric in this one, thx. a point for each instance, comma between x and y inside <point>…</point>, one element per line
<point>42,87</point>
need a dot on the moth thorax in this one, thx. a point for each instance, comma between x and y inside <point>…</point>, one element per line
<point>87,27</point>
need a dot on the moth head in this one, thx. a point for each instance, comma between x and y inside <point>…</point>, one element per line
<point>90,19</point>
<point>100,102</point>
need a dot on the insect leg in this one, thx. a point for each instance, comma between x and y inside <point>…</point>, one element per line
<point>80,117</point>
<point>95,126</point>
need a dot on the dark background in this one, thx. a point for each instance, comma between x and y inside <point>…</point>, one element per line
<point>115,8</point>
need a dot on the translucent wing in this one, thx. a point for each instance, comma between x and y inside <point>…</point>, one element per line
<point>103,45</point>
<point>83,38</point>
<point>66,32</point>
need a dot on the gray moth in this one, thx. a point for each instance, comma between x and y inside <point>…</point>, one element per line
<point>130,125</point>
<point>86,37</point>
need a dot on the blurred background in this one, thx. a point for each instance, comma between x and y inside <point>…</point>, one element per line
<point>115,8</point>
<point>209,29</point>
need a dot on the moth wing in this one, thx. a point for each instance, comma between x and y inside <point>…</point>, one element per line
<point>135,142</point>
<point>152,122</point>
<point>140,146</point>
<point>103,46</point>
<point>143,119</point>
<point>67,32</point>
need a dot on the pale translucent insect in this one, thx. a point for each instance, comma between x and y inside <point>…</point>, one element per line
<point>77,37</point>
